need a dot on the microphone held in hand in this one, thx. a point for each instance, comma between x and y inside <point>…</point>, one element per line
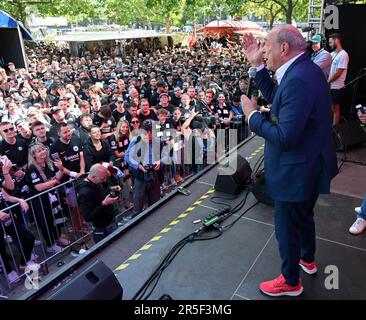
<point>252,72</point>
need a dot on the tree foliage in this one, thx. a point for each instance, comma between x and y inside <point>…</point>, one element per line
<point>166,12</point>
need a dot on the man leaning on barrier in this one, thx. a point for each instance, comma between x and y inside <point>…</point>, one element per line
<point>96,203</point>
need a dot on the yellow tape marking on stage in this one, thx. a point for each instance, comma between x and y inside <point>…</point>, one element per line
<point>135,256</point>
<point>123,266</point>
<point>146,247</point>
<point>165,230</point>
<point>157,238</point>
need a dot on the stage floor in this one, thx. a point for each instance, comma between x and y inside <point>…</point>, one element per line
<point>231,266</point>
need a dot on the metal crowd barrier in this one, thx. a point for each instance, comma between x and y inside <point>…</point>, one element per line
<point>54,218</point>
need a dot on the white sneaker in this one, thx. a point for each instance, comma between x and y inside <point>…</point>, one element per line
<point>13,277</point>
<point>82,251</point>
<point>358,226</point>
<point>54,249</point>
<point>30,265</point>
<point>358,210</point>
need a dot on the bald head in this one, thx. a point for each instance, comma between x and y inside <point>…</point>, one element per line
<point>98,174</point>
<point>282,44</point>
<point>291,35</point>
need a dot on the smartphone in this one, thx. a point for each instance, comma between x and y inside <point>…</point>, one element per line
<point>55,156</point>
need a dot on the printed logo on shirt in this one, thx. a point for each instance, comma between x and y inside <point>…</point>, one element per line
<point>34,175</point>
<point>109,122</point>
<point>76,148</point>
<point>113,143</point>
<point>36,180</point>
<point>20,148</point>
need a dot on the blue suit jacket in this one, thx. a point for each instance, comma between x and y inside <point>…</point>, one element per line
<point>299,156</point>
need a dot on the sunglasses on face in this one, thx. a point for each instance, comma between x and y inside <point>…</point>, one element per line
<point>9,129</point>
<point>133,122</point>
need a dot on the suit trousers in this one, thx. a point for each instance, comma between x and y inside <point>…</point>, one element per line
<point>295,233</point>
<point>145,190</point>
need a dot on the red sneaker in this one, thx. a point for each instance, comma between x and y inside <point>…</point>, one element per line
<point>309,268</point>
<point>278,287</point>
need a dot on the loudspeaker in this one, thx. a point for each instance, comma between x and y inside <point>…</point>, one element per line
<point>233,174</point>
<point>97,282</point>
<point>258,189</point>
<point>348,134</point>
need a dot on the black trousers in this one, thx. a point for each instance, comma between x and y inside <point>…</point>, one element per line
<point>145,190</point>
<point>23,240</point>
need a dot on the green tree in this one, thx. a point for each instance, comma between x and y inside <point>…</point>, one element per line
<point>76,10</point>
<point>268,9</point>
<point>287,7</point>
<point>167,12</point>
<point>18,8</point>
<point>127,11</point>
<point>73,10</point>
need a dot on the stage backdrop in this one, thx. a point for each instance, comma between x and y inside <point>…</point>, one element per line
<point>11,48</point>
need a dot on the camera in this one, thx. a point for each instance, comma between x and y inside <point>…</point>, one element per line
<point>207,118</point>
<point>114,191</point>
<point>237,120</point>
<point>149,168</point>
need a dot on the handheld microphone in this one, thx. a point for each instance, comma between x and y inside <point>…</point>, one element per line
<point>252,72</point>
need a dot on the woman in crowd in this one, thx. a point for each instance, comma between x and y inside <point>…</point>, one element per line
<point>44,174</point>
<point>14,113</point>
<point>119,142</point>
<point>97,150</point>
<point>135,126</point>
<point>10,224</point>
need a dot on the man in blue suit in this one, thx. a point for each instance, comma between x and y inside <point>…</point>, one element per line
<point>299,155</point>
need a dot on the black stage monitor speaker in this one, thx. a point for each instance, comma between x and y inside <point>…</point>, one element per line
<point>348,134</point>
<point>233,173</point>
<point>97,282</point>
<point>258,188</point>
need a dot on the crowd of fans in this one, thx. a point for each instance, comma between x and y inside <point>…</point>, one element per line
<point>66,114</point>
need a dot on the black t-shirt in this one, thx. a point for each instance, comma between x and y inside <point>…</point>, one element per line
<point>174,100</point>
<point>98,121</point>
<point>152,116</point>
<point>118,115</point>
<point>223,112</point>
<point>28,140</point>
<point>47,143</point>
<point>170,108</point>
<point>177,124</point>
<point>34,177</point>
<point>17,153</point>
<point>121,145</point>
<point>68,153</point>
